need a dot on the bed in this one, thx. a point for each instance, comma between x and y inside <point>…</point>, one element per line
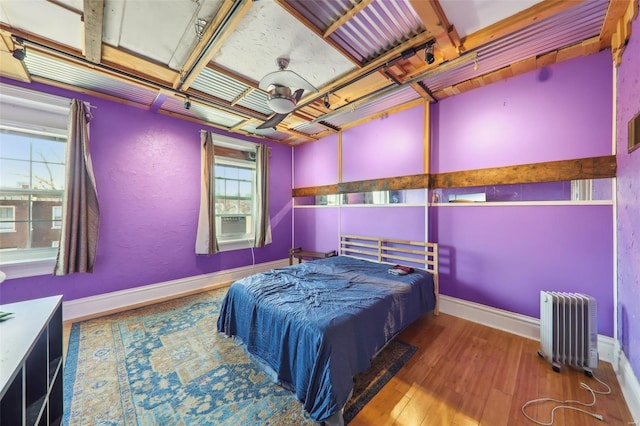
<point>313,326</point>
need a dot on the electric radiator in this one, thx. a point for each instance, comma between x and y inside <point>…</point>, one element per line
<point>569,330</point>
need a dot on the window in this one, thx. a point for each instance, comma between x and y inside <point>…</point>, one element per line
<point>235,206</point>
<point>32,182</point>
<point>33,135</point>
<point>56,217</point>
<point>7,218</point>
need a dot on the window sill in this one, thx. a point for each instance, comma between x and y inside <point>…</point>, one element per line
<point>231,245</point>
<point>28,268</point>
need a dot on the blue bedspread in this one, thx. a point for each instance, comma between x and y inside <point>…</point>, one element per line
<point>319,323</point>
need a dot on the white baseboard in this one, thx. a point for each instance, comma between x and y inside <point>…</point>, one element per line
<point>628,383</point>
<point>103,304</point>
<point>521,325</point>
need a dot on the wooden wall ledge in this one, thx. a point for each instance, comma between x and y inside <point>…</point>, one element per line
<point>552,171</point>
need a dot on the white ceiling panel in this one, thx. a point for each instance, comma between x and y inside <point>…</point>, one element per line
<point>469,16</point>
<point>267,32</point>
<point>141,26</point>
<point>50,20</point>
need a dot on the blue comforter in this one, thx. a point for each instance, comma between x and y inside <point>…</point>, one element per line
<point>319,323</point>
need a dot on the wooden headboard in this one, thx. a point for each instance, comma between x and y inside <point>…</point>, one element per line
<point>414,253</point>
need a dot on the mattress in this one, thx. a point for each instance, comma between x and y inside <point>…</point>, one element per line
<point>315,325</point>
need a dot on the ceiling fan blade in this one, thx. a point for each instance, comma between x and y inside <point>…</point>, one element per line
<point>286,78</point>
<point>273,121</point>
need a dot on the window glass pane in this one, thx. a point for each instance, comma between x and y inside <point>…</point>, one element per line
<point>580,190</point>
<point>231,206</point>
<point>245,206</point>
<point>15,146</point>
<point>220,188</point>
<point>43,232</point>
<point>234,199</point>
<point>245,174</point>
<point>14,174</point>
<point>38,214</point>
<point>404,196</point>
<point>245,189</point>
<point>47,176</point>
<point>230,172</point>
<point>232,188</point>
<point>7,218</point>
<point>6,212</point>
<point>48,151</point>
<point>56,216</point>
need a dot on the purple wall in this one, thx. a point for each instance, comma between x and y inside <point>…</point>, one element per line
<point>391,146</point>
<point>316,163</point>
<point>628,196</point>
<point>404,223</point>
<point>387,147</point>
<point>502,256</point>
<point>147,174</point>
<point>555,113</point>
<point>317,229</point>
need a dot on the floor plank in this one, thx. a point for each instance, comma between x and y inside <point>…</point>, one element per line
<point>466,374</point>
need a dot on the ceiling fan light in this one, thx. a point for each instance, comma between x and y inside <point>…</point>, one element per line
<point>280,100</point>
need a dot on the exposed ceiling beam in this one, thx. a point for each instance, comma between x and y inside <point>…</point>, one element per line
<point>423,91</point>
<point>436,22</point>
<point>112,57</point>
<point>10,66</point>
<point>344,18</point>
<point>520,20</point>
<point>215,35</point>
<point>615,11</point>
<point>137,66</point>
<point>93,16</point>
<point>208,34</point>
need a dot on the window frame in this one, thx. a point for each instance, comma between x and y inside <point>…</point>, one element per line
<point>38,114</point>
<point>237,241</point>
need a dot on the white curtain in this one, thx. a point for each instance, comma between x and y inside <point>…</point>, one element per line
<point>206,240</point>
<point>263,224</point>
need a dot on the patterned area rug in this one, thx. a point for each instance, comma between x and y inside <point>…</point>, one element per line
<point>166,364</point>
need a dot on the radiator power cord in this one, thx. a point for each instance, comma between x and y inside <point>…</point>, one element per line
<point>569,401</point>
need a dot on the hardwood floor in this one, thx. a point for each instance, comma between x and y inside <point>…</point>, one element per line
<point>467,374</point>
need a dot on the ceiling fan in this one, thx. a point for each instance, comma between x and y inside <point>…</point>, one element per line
<point>282,98</point>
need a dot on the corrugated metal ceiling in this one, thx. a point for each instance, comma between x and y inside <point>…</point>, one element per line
<point>572,26</point>
<point>76,75</point>
<point>377,28</point>
<point>377,105</point>
<point>229,89</point>
<point>202,112</point>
